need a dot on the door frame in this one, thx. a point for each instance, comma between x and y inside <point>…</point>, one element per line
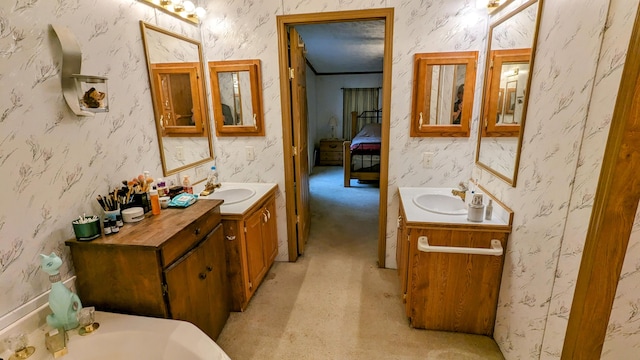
<point>612,217</point>
<point>283,21</point>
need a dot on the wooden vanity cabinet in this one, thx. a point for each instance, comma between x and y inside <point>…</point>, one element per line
<point>170,265</point>
<point>251,242</point>
<point>445,291</point>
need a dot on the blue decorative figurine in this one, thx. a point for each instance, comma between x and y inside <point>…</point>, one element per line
<point>64,304</point>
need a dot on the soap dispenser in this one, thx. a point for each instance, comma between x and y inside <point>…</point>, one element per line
<point>475,212</point>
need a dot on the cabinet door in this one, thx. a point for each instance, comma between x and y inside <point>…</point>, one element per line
<point>217,282</point>
<point>256,265</point>
<point>190,286</point>
<point>270,232</point>
<point>454,292</point>
<point>179,98</point>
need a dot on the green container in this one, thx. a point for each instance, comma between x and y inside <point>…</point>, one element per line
<point>87,231</point>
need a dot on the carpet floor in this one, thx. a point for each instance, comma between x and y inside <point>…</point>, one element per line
<point>334,302</point>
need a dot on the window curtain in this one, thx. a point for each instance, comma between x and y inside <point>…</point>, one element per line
<point>358,100</point>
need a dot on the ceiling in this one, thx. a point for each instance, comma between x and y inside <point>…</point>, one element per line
<point>344,47</point>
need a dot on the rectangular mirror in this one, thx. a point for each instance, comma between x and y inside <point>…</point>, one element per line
<point>236,88</point>
<point>174,63</point>
<point>509,75</point>
<point>510,56</point>
<point>443,86</point>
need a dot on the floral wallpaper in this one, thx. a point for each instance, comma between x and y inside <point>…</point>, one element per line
<point>581,50</point>
<point>54,164</point>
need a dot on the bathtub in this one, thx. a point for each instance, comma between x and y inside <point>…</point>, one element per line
<point>132,337</point>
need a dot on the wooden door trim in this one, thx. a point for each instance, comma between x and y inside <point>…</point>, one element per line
<point>612,218</point>
<point>283,21</point>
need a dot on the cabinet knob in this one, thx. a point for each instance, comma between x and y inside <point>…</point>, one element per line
<point>231,237</point>
<point>264,216</point>
<point>268,214</point>
<point>202,276</point>
<point>197,232</point>
<point>209,268</point>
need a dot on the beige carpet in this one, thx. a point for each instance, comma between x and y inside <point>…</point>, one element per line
<point>334,302</point>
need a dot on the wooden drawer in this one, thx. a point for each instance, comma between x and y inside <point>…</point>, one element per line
<point>331,156</point>
<point>189,236</point>
<point>331,146</point>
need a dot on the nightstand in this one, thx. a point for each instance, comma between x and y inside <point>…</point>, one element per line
<point>331,152</point>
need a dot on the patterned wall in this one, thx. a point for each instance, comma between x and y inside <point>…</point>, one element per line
<point>54,164</point>
<point>567,125</point>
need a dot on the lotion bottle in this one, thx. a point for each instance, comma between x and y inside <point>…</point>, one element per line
<point>186,184</point>
<point>489,210</point>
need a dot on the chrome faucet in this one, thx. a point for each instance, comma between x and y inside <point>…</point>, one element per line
<point>461,191</point>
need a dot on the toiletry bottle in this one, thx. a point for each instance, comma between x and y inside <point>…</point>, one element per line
<point>475,211</point>
<point>107,226</point>
<point>489,210</point>
<point>162,187</point>
<point>186,184</point>
<point>212,179</point>
<point>155,201</point>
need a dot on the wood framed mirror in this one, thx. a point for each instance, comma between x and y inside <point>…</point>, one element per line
<point>508,76</point>
<point>175,68</point>
<point>510,57</point>
<point>443,87</point>
<point>236,88</point>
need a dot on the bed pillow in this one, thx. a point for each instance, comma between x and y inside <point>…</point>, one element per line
<point>371,130</point>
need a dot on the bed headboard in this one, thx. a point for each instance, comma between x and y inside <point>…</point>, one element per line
<point>366,117</point>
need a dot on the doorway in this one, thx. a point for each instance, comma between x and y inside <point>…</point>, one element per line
<point>296,183</point>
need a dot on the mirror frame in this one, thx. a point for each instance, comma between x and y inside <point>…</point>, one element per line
<point>492,92</point>
<point>201,101</point>
<point>421,93</point>
<point>492,96</point>
<point>255,78</point>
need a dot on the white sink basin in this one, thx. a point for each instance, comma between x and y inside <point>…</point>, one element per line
<point>441,204</point>
<point>232,196</point>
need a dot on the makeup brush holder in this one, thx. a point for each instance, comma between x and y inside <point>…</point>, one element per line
<point>140,200</point>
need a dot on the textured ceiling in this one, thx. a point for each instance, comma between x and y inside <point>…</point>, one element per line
<point>344,47</point>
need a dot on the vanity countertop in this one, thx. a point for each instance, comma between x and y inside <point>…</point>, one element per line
<point>261,191</point>
<point>414,214</point>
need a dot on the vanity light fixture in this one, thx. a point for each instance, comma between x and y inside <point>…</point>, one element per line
<point>85,94</point>
<point>490,5</point>
<point>185,10</point>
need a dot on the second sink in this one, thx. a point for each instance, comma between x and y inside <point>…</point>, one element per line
<point>232,196</point>
<point>441,204</point>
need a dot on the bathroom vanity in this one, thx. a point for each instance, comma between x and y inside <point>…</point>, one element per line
<point>171,265</point>
<point>251,237</point>
<point>443,285</point>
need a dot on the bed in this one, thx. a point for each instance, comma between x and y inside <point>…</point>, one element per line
<point>362,153</point>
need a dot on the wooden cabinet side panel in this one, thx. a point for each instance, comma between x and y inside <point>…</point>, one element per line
<point>236,262</point>
<point>120,279</point>
<point>455,292</point>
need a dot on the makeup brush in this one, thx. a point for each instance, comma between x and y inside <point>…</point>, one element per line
<point>101,202</point>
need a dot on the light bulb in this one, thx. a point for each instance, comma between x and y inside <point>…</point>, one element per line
<point>178,6</point>
<point>201,12</point>
<point>189,7</point>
